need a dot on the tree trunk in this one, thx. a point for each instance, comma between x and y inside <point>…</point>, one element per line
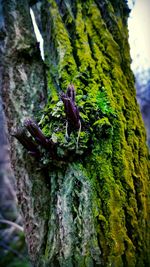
<point>85,202</point>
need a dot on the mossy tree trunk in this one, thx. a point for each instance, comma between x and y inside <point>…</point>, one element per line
<point>89,204</point>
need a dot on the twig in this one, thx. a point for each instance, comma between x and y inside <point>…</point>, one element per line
<point>17,226</point>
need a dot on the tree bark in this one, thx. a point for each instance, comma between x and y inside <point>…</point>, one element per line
<point>87,202</point>
<point>23,88</point>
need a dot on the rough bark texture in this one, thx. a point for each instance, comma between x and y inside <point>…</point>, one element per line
<point>22,86</point>
<point>95,211</point>
<point>7,189</point>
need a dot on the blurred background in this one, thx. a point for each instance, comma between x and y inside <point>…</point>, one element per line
<point>13,251</point>
<point>139,39</point>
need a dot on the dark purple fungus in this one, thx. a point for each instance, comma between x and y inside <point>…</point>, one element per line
<point>36,132</point>
<point>27,142</point>
<point>71,110</point>
<point>40,138</point>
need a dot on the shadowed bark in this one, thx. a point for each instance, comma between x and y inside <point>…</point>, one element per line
<point>88,205</point>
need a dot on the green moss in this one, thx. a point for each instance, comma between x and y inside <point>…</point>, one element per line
<point>53,95</point>
<point>103,128</point>
<point>63,61</point>
<point>113,169</point>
